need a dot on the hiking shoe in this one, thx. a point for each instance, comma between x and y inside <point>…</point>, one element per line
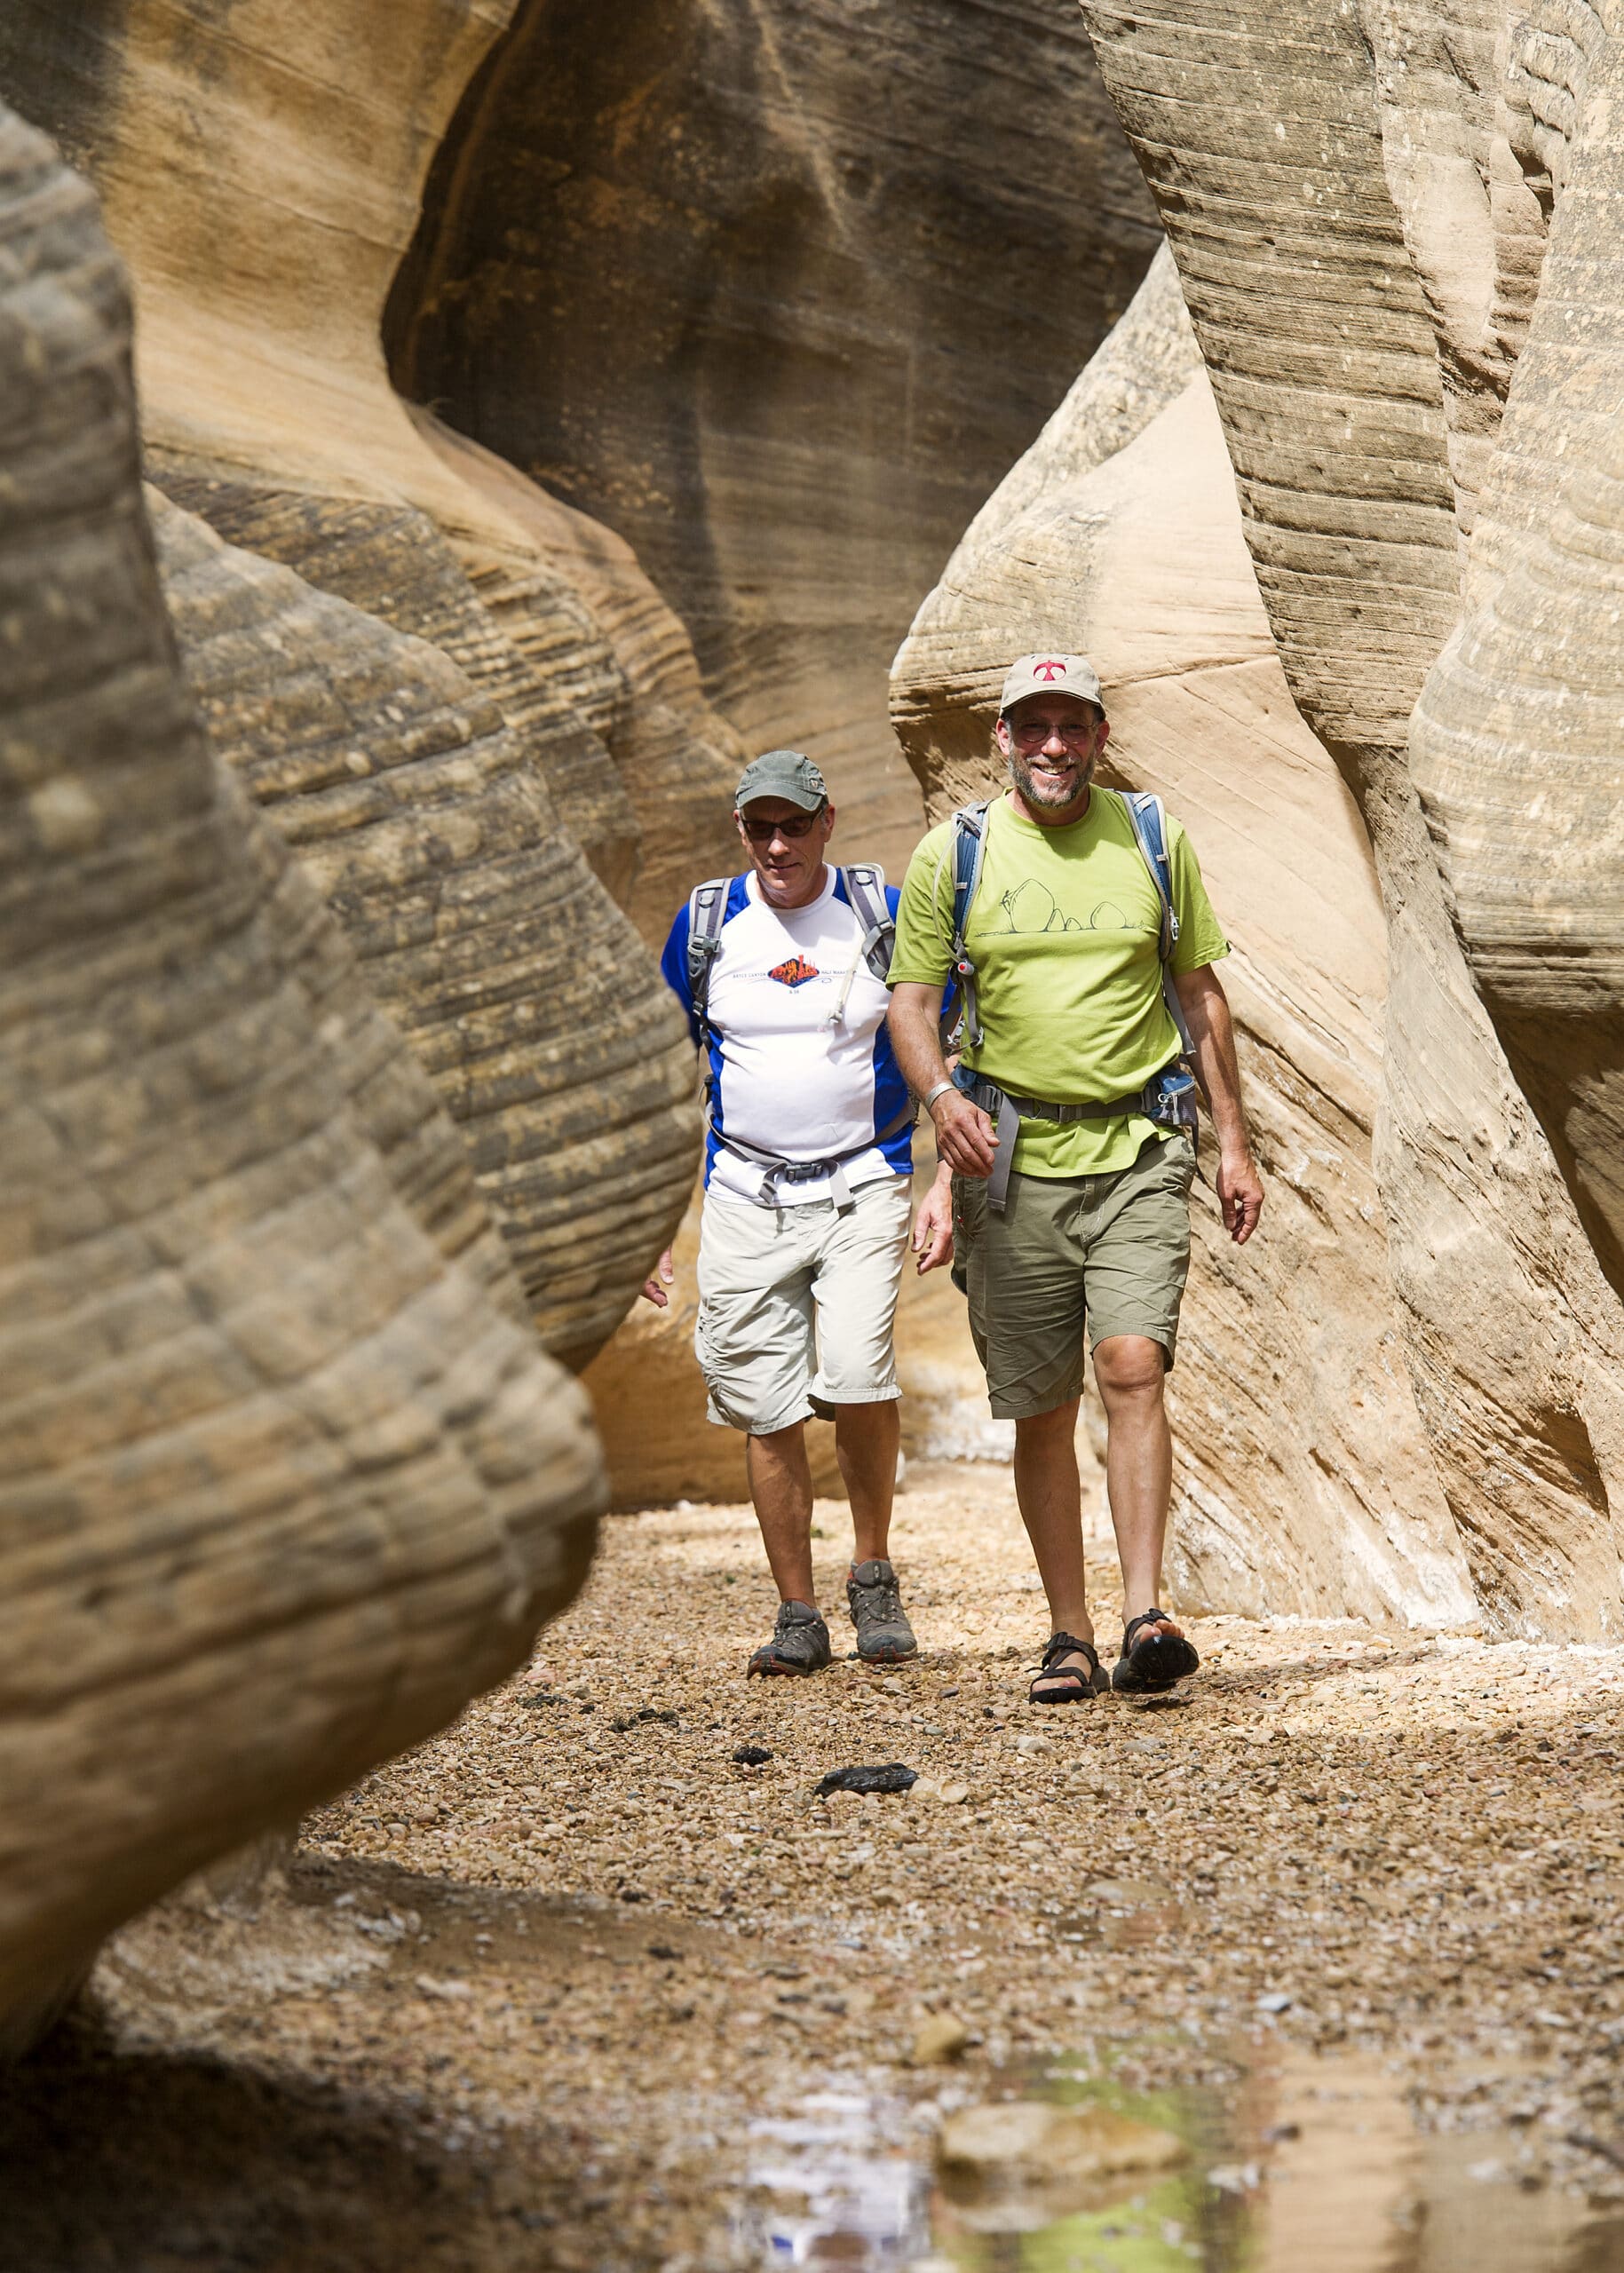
<point>884,1635</point>
<point>800,1642</point>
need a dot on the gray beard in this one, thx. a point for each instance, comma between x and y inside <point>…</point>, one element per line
<point>1022,774</point>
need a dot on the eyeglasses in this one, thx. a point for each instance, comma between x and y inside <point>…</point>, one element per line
<point>1032,733</point>
<point>794,825</point>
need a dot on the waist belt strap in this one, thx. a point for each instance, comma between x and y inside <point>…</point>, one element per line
<point>781,1171</point>
<point>1009,1112</point>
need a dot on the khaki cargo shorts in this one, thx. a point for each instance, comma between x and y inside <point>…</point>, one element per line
<point>796,1305</point>
<point>1108,1252</point>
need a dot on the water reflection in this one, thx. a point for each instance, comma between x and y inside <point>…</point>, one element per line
<point>838,2184</point>
<point>1123,1914</point>
<point>1309,2164</point>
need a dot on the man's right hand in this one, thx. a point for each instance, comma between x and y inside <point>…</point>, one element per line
<point>658,1280</point>
<point>964,1137</point>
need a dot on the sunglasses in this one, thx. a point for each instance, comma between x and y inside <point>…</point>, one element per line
<point>763,831</point>
<point>1034,734</point>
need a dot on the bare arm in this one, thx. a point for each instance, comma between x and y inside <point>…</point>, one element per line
<point>963,1132</point>
<point>1240,1190</point>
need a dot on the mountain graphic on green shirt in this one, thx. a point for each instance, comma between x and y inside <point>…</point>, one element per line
<point>1064,933</point>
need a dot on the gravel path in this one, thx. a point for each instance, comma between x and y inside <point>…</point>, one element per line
<point>527,1997</point>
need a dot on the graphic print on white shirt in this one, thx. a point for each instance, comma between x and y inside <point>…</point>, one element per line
<point>784,1079</point>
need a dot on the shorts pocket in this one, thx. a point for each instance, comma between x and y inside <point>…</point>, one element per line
<point>1183,1149</point>
<point>968,1222</point>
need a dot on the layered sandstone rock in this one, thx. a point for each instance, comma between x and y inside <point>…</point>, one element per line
<point>779,291</point>
<point>1357,244</point>
<point>1305,1482</point>
<point>262,169</point>
<point>284,1476</point>
<point>1517,740</point>
<point>408,797</point>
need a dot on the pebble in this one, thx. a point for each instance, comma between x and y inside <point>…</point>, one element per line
<point>891,1776</point>
<point>938,2041</point>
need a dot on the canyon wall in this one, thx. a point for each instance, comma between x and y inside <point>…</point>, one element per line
<point>1392,228</point>
<point>284,1474</point>
<point>721,323</point>
<point>778,292</point>
<point>261,170</point>
<point>481,931</point>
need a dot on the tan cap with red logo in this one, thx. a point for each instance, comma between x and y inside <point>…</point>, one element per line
<point>1051,674</point>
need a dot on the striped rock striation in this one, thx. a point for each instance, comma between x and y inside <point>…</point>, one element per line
<point>480,928</point>
<point>1389,228</point>
<point>284,1476</point>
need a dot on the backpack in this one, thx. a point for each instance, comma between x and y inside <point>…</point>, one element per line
<point>1147,817</point>
<point>865,887</point>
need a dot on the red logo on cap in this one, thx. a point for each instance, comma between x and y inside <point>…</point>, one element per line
<point>1047,671</point>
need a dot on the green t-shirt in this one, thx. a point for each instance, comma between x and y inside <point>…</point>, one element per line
<point>1064,934</point>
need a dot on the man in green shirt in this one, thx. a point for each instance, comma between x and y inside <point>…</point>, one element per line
<point>1064,936</point>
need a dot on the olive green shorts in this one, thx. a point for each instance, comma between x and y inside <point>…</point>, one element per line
<point>1107,1254</point>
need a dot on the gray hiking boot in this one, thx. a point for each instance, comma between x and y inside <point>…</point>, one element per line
<point>800,1642</point>
<point>884,1635</point>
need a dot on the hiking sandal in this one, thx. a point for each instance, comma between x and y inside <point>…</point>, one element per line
<point>800,1642</point>
<point>1155,1661</point>
<point>1085,1687</point>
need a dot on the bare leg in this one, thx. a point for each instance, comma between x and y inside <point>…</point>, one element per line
<point>1138,1463</point>
<point>781,1486</point>
<point>1051,1497</point>
<point>866,1441</point>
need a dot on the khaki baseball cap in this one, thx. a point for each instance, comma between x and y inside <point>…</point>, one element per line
<point>782,773</point>
<point>1050,674</point>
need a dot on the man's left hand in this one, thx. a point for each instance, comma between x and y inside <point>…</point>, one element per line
<point>933,1227</point>
<point>1241,1195</point>
<point>658,1279</point>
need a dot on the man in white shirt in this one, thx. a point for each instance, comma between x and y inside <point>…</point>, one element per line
<point>807,1166</point>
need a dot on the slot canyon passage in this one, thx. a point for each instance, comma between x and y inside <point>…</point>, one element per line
<point>438,446</point>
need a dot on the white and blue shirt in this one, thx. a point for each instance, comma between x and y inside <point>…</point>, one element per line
<point>782,1078</point>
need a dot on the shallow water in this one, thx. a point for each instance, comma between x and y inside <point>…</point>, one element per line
<point>1309,2165</point>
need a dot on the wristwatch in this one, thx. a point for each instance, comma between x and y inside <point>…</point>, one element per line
<point>940,1090</point>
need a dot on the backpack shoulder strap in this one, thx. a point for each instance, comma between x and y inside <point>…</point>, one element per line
<point>1149,820</point>
<point>1147,816</point>
<point>707,914</point>
<point>969,851</point>
<point>864,883</point>
<point>969,825</point>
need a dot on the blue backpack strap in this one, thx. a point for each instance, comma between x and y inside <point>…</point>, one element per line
<point>864,881</point>
<point>1148,818</point>
<point>707,914</point>
<point>969,852</point>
